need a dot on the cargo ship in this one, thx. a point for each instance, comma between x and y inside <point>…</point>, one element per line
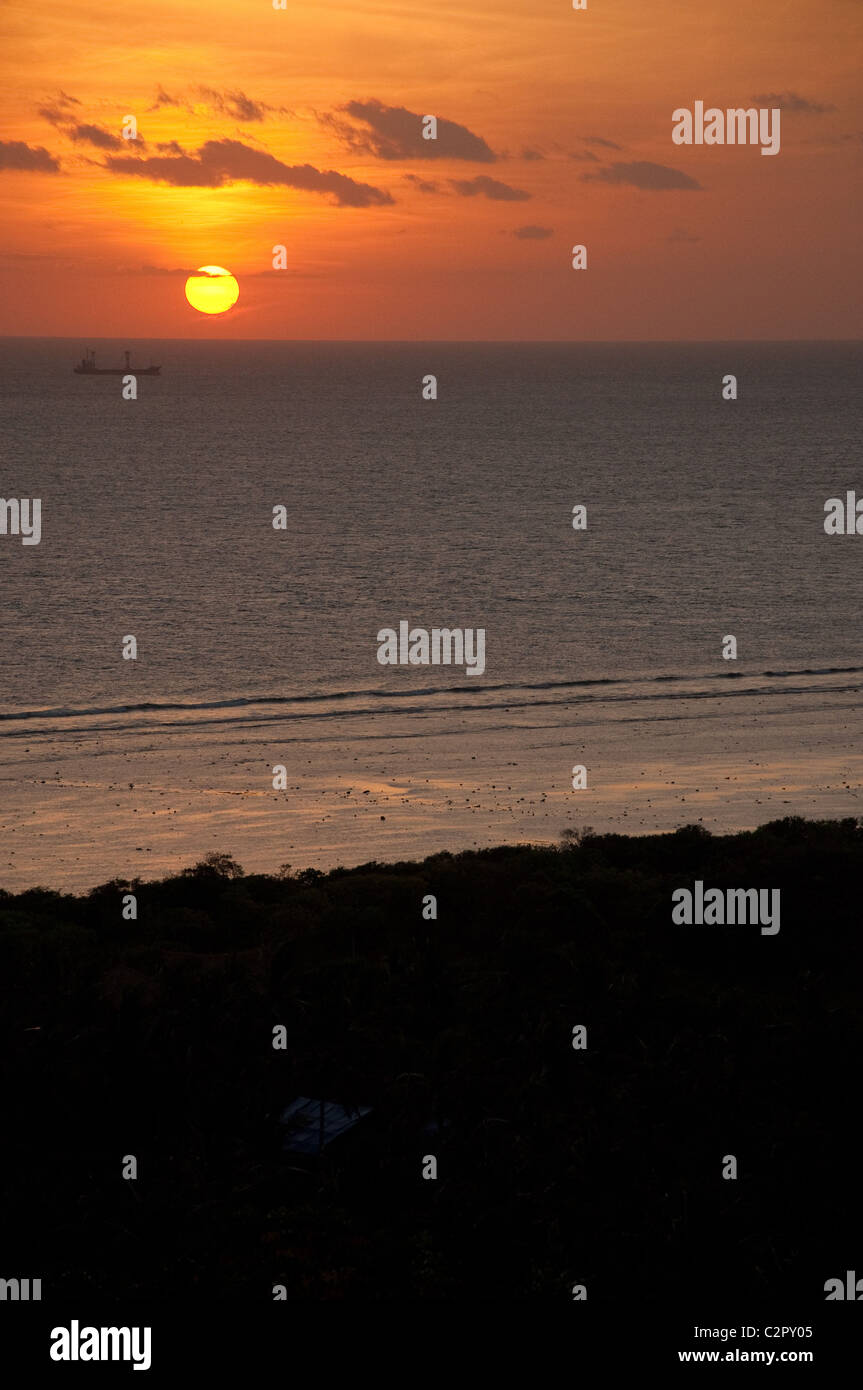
<point>87,367</point>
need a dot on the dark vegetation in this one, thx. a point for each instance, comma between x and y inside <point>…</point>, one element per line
<point>154,1038</point>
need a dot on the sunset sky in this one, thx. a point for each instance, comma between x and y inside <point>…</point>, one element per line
<point>302,127</point>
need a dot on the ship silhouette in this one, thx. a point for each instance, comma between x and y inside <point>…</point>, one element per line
<point>87,367</point>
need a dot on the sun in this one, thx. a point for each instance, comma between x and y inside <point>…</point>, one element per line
<point>212,289</point>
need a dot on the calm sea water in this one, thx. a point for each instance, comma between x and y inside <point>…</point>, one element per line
<point>705,517</point>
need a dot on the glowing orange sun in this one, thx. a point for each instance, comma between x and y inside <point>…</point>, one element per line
<point>212,289</point>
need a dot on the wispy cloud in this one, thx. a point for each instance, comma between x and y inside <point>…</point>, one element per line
<point>54,109</point>
<point>237,104</point>
<point>654,178</point>
<point>489,188</point>
<point>160,270</point>
<point>393,132</point>
<point>83,133</point>
<point>424,185</point>
<point>164,98</point>
<point>532,233</point>
<point>220,162</point>
<point>792,101</point>
<point>56,112</point>
<point>482,185</point>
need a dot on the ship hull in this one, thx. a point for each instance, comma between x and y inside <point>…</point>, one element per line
<point>116,371</point>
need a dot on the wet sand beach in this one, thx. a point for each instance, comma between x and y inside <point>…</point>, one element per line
<point>140,794</point>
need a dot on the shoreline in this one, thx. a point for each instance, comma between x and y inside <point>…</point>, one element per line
<point>73,838</point>
<point>102,800</point>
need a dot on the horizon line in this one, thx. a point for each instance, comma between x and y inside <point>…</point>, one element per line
<point>485,342</point>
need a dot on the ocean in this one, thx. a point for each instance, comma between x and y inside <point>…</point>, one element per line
<point>257,647</point>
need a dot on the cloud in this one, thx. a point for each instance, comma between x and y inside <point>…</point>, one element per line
<point>792,101</point>
<point>587,156</point>
<point>183,171</point>
<point>96,135</point>
<point>14,154</point>
<point>53,110</point>
<point>54,114</point>
<point>393,132</point>
<point>679,235</point>
<point>470,188</point>
<point>424,185</point>
<point>171,147</point>
<point>81,132</point>
<point>288,274</point>
<point>532,233</point>
<point>237,104</point>
<point>160,270</point>
<point>30,256</point>
<point>164,98</point>
<point>489,188</point>
<point>176,271</point>
<point>655,178</point>
<point>531,154</point>
<point>219,162</point>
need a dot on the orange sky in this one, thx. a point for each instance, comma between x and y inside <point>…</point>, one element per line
<point>557,113</point>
